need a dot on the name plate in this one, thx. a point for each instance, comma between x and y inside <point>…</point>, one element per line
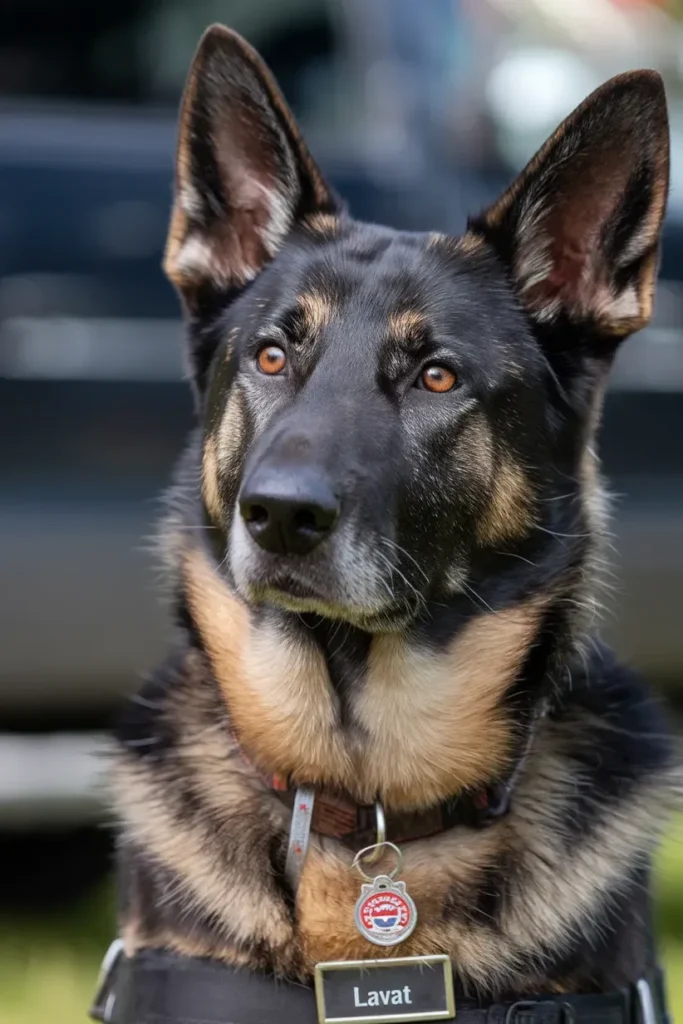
<point>411,988</point>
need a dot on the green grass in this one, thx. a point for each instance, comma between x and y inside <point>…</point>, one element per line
<point>673,962</point>
<point>48,968</point>
<point>670,915</point>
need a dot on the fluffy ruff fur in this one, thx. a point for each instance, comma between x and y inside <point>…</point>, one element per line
<point>407,655</point>
<point>551,898</point>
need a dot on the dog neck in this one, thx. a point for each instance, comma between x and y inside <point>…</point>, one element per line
<point>417,725</point>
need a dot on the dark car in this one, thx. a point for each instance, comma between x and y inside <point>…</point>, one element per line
<point>93,404</point>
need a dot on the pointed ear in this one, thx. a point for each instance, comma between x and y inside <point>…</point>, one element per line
<point>243,173</point>
<point>579,228</point>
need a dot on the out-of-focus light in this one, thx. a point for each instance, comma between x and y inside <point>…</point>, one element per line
<point>52,778</point>
<point>590,22</point>
<point>81,348</point>
<point>531,91</point>
<point>640,3</point>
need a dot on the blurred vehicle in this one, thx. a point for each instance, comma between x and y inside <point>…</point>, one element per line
<point>92,400</point>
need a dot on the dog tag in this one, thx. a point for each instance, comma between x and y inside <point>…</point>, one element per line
<point>385,914</point>
<point>415,988</point>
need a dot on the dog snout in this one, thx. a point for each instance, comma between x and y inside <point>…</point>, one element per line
<point>289,512</point>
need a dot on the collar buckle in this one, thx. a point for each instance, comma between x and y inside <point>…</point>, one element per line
<point>541,1011</point>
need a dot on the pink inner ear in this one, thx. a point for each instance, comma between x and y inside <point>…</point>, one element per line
<point>573,271</point>
<point>564,247</point>
<point>570,258</point>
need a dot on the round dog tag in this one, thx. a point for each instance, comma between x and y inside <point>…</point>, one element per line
<point>385,914</point>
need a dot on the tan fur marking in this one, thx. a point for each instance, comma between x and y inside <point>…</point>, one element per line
<point>233,334</point>
<point>593,495</point>
<point>210,489</point>
<point>509,512</point>
<point>323,224</point>
<point>406,323</point>
<point>317,311</point>
<point>191,851</point>
<point>431,870</point>
<point>568,890</point>
<point>474,448</point>
<point>509,507</point>
<point>470,244</point>
<point>442,712</point>
<point>556,890</point>
<point>590,480</point>
<point>285,710</point>
<point>279,694</point>
<point>230,437</point>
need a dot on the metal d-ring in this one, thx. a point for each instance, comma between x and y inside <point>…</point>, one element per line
<point>381,830</point>
<point>381,823</point>
<point>647,1006</point>
<point>380,848</point>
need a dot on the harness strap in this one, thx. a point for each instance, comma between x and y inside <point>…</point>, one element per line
<point>156,987</point>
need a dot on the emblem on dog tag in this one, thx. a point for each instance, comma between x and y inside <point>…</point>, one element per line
<point>385,914</point>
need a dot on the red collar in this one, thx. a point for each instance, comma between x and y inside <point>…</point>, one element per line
<point>339,817</point>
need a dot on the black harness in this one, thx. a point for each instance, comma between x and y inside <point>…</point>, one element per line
<point>155,987</point>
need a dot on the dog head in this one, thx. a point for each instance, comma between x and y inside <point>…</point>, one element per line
<point>386,414</point>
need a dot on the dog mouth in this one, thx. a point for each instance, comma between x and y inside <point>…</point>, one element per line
<point>340,581</point>
<point>293,594</point>
<point>289,587</point>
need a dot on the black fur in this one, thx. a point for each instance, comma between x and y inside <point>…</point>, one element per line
<point>461,549</point>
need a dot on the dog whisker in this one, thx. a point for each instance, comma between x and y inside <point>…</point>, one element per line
<point>512,554</point>
<point>393,569</point>
<point>477,597</point>
<point>402,551</point>
<point>563,536</point>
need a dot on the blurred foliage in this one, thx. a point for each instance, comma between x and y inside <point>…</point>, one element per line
<point>669,887</point>
<point>48,968</point>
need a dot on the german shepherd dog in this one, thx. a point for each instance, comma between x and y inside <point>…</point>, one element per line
<point>384,545</point>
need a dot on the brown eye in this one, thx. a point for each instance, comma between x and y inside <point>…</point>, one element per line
<point>271,359</point>
<point>438,378</point>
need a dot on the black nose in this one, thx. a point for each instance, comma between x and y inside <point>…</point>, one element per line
<point>288,512</point>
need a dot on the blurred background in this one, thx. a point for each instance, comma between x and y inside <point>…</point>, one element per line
<point>418,112</point>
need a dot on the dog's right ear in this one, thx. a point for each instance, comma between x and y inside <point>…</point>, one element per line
<point>244,176</point>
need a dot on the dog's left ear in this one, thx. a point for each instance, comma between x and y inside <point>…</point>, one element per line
<point>243,173</point>
<point>579,229</point>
